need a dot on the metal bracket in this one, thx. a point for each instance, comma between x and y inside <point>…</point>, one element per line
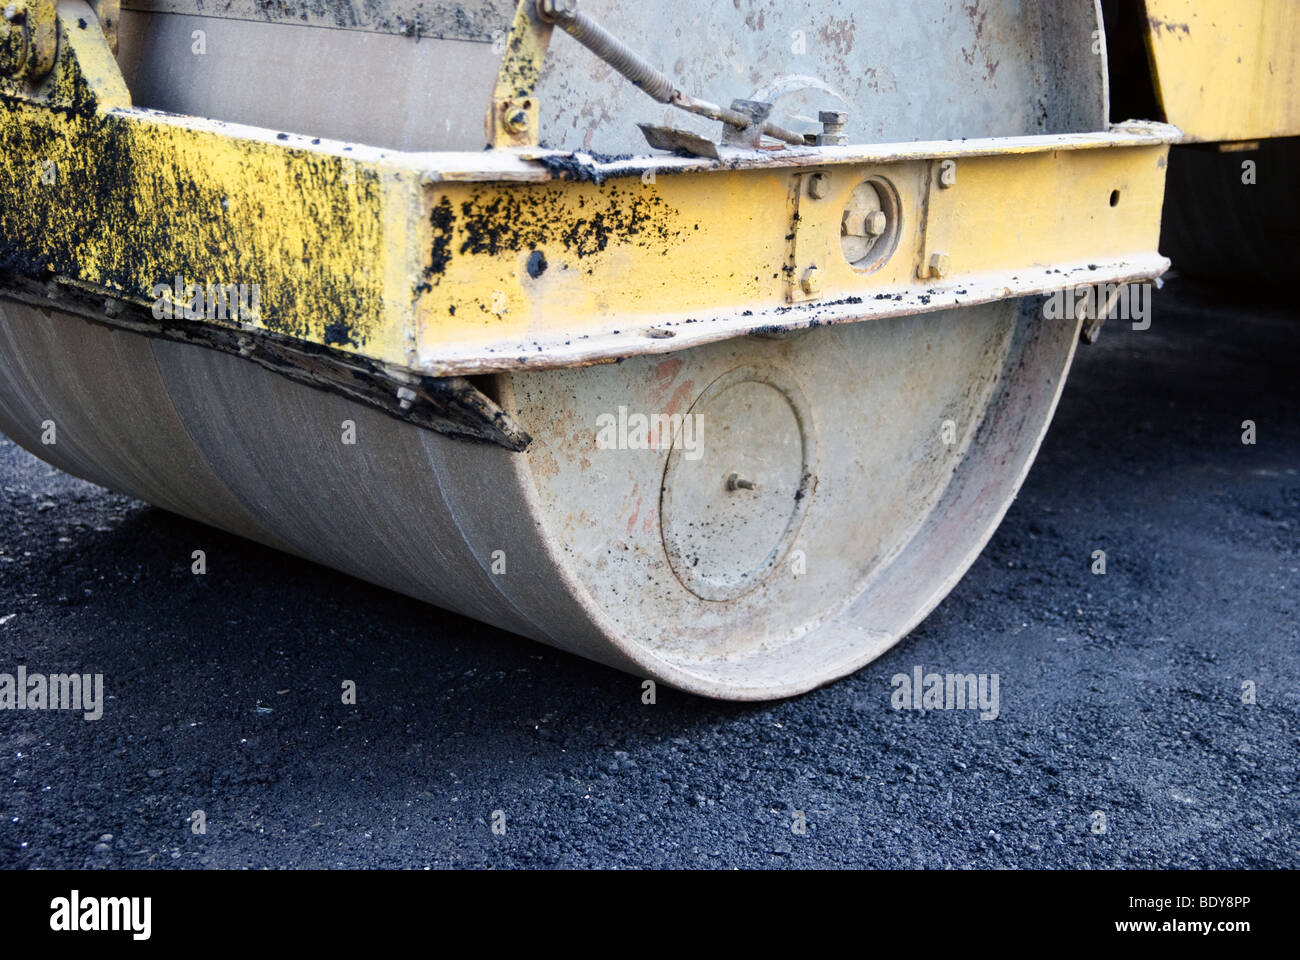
<point>62,53</point>
<point>751,134</point>
<point>933,261</point>
<point>453,406</point>
<point>513,118</point>
<point>803,273</point>
<point>108,12</point>
<point>676,140</point>
<point>1096,307</point>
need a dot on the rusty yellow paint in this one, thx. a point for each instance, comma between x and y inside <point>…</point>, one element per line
<point>124,203</point>
<point>109,14</point>
<point>465,263</point>
<point>1227,69</point>
<point>379,255</point>
<point>540,266</point>
<point>133,204</point>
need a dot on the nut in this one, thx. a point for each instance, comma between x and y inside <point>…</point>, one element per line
<point>812,281</point>
<point>819,184</point>
<point>863,223</point>
<point>832,134</point>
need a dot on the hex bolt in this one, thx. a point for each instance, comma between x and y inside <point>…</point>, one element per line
<point>552,9</point>
<point>832,134</point>
<point>858,224</point>
<point>819,185</point>
<point>405,397</point>
<point>938,264</point>
<point>947,174</point>
<point>812,281</point>
<point>832,121</point>
<point>736,482</point>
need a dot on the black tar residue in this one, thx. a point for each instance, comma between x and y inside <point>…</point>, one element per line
<point>202,241</point>
<point>582,167</point>
<point>340,334</point>
<point>527,219</point>
<point>536,264</point>
<point>443,220</point>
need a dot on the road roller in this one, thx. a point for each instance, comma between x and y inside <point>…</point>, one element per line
<point>704,340</point>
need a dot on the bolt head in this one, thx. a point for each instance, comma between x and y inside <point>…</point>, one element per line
<point>14,12</point>
<point>832,116</point>
<point>819,185</point>
<point>858,223</point>
<point>938,264</point>
<point>516,121</point>
<point>554,9</point>
<point>812,281</point>
<point>736,482</point>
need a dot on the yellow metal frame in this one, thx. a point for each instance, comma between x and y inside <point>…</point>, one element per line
<point>704,250</point>
<point>451,263</point>
<point>1227,70</point>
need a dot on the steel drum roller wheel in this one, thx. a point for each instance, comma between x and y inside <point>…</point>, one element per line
<point>860,518</point>
<point>839,481</point>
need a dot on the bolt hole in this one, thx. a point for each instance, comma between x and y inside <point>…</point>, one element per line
<point>528,104</point>
<point>1114,198</point>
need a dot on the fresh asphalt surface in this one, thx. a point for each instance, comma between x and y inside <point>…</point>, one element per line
<point>1119,694</point>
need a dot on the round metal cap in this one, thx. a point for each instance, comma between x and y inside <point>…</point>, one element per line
<point>737,483</point>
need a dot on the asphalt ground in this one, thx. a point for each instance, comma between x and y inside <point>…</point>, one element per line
<point>1123,737</point>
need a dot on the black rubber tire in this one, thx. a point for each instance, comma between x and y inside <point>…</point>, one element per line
<point>1221,228</point>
